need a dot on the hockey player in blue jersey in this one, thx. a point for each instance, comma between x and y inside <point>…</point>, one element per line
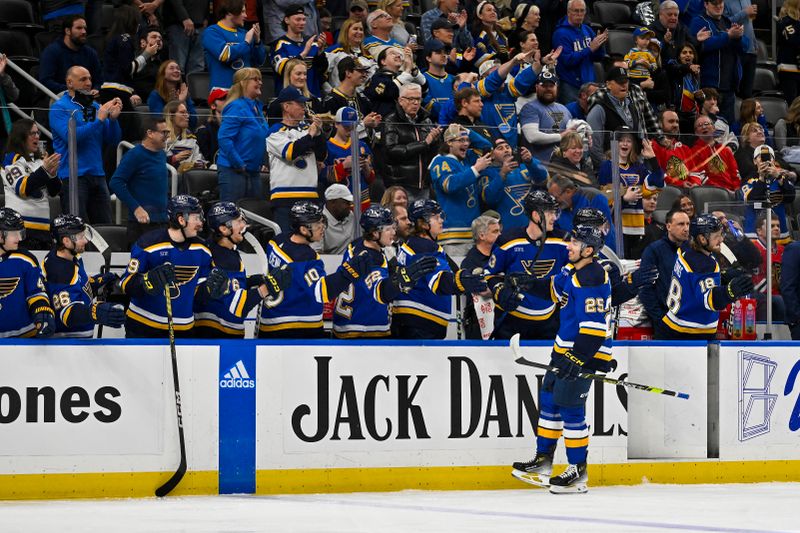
<point>698,291</point>
<point>177,258</point>
<point>72,291</point>
<point>425,311</point>
<point>297,312</point>
<point>25,310</point>
<point>536,249</point>
<point>362,311</point>
<point>583,344</point>
<point>224,317</point>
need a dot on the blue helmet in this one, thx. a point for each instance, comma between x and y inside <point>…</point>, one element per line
<point>539,201</point>
<point>375,218</point>
<point>222,214</point>
<point>704,224</point>
<point>588,235</point>
<point>423,209</point>
<point>182,204</point>
<point>590,216</point>
<point>66,226</point>
<point>303,214</point>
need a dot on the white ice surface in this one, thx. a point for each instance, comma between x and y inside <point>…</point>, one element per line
<point>646,508</point>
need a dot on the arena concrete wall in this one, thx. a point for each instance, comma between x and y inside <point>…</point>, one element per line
<point>97,418</point>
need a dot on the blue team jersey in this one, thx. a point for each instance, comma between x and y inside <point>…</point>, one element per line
<point>458,190</point>
<point>299,308</point>
<point>336,173</point>
<point>780,193</point>
<point>360,311</point>
<point>440,91</point>
<point>551,118</point>
<point>585,316</point>
<point>191,260</point>
<point>422,305</point>
<point>226,51</point>
<point>637,174</point>
<point>285,49</point>
<point>514,251</point>
<point>499,101</point>
<point>69,287</point>
<point>22,294</point>
<point>505,195</point>
<point>690,300</point>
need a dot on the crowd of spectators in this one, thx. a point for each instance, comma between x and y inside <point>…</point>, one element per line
<point>536,85</point>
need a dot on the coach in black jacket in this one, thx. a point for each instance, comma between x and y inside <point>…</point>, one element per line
<point>411,141</point>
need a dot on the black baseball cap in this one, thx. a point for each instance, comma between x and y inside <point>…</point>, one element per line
<point>443,24</point>
<point>617,74</point>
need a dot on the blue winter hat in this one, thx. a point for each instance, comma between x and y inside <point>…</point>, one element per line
<point>290,94</point>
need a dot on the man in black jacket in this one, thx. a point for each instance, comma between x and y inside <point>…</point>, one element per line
<point>396,68</point>
<point>670,32</point>
<point>411,141</point>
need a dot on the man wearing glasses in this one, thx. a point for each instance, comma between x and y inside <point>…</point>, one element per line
<point>580,48</point>
<point>714,162</point>
<point>141,180</point>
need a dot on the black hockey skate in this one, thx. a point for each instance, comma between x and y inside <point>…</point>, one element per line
<point>537,471</point>
<point>571,481</point>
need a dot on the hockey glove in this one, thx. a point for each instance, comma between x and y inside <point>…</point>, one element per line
<point>405,277</point>
<point>100,281</point>
<point>594,365</point>
<point>111,315</point>
<point>159,277</point>
<point>569,365</point>
<point>277,281</point>
<point>521,281</point>
<point>356,267</point>
<point>44,321</point>
<point>643,277</point>
<point>507,297</point>
<point>730,274</point>
<point>468,282</point>
<point>217,283</point>
<point>53,186</point>
<point>740,286</point>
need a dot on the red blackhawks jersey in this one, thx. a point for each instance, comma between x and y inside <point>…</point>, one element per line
<point>673,162</point>
<point>759,278</point>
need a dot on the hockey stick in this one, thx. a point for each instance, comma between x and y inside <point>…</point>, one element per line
<point>514,343</point>
<point>259,250</point>
<point>172,482</point>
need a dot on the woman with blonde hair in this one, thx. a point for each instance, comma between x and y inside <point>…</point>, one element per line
<point>182,149</point>
<point>295,74</point>
<point>569,161</point>
<point>351,35</point>
<point>241,138</point>
<point>395,9</point>
<point>170,86</point>
<point>751,111</point>
<point>394,195</point>
<point>788,41</point>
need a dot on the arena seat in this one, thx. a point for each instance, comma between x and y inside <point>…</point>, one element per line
<point>716,197</point>
<point>667,197</point>
<point>199,86</point>
<point>775,108</point>
<point>599,72</point>
<point>610,13</point>
<point>765,80</point>
<point>199,182</point>
<point>16,11</point>
<point>619,41</point>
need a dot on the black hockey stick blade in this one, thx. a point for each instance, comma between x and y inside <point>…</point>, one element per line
<point>520,359</point>
<point>176,478</point>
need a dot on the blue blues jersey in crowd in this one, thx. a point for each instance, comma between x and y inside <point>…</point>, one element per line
<point>71,293</point>
<point>515,251</point>
<point>225,317</point>
<point>440,91</point>
<point>458,190</point>
<point>335,172</point>
<point>147,313</point>
<point>429,305</point>
<point>648,176</point>
<point>22,294</point>
<point>585,316</point>
<point>695,296</point>
<point>504,195</point>
<point>362,310</point>
<point>499,101</point>
<point>285,49</point>
<point>781,192</point>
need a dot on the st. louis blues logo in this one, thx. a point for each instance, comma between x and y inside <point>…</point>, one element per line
<point>183,275</point>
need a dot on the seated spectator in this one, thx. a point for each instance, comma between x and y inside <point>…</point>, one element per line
<point>787,130</point>
<point>241,138</point>
<point>469,108</point>
<point>97,127</point>
<point>380,26</point>
<point>684,203</point>
<point>183,151</point>
<point>458,41</point>
<point>170,86</point>
<point>753,136</point>
<point>490,41</point>
<point>579,108</point>
<point>760,277</point>
<point>396,68</point>
<point>572,198</point>
<point>529,45</point>
<point>672,154</point>
<point>715,162</point>
<point>339,161</point>
<point>294,147</point>
<point>636,176</point>
<point>657,88</point>
<point>394,195</point>
<point>229,47</point>
<point>684,80</point>
<point>439,81</point>
<point>788,31</point>
<point>293,46</point>
<point>544,121</point>
<point>751,110</point>
<point>341,222</point>
<point>580,48</point>
<point>295,74</point>
<point>411,142</point>
<point>208,132</point>
<point>141,181</point>
<point>29,178</point>
<point>447,11</point>
<point>770,180</point>
<point>569,160</point>
<point>653,230</point>
<point>351,36</point>
<point>456,184</point>
<point>507,181</point>
<point>485,231</point>
<point>69,51</point>
<point>395,10</point>
<point>672,33</point>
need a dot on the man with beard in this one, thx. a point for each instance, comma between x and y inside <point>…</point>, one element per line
<point>672,154</point>
<point>544,121</point>
<point>711,158</point>
<point>68,52</point>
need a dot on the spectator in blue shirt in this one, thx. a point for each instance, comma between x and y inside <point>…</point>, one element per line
<point>229,47</point>
<point>67,52</point>
<point>580,47</point>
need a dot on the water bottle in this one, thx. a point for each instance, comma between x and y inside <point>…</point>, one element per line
<point>734,231</point>
<point>737,320</point>
<point>749,306</point>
